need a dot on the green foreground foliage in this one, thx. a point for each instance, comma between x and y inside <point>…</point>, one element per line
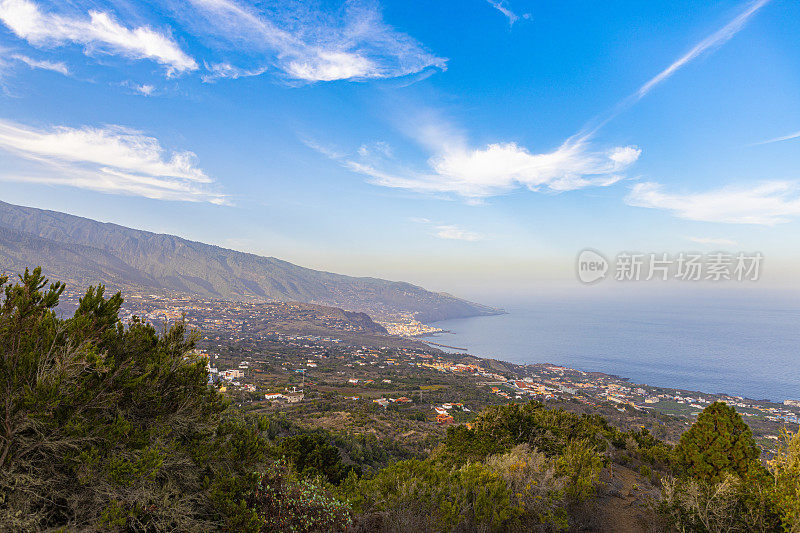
<point>786,469</point>
<point>106,427</point>
<point>718,444</point>
<point>518,468</point>
<point>723,486</point>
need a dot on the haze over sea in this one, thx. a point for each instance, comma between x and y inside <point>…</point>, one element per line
<point>744,343</point>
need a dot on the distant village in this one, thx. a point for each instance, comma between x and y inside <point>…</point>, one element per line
<point>408,326</point>
<point>361,368</point>
<point>239,339</point>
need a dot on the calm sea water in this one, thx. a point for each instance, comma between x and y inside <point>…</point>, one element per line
<point>744,345</point>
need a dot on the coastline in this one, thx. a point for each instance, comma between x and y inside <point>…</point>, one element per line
<point>662,350</point>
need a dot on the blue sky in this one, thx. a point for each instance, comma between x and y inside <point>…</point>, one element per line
<point>463,145</point>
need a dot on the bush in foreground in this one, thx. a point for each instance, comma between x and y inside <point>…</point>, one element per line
<point>722,484</point>
<point>519,468</point>
<point>785,466</point>
<point>718,443</point>
<point>107,427</point>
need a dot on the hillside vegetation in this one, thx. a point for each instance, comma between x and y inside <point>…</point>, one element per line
<point>112,427</point>
<point>106,427</point>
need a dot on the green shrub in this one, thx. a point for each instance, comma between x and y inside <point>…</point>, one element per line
<point>785,466</point>
<point>730,505</point>
<point>313,455</point>
<point>109,426</point>
<point>521,489</point>
<point>723,485</point>
<point>718,443</point>
<point>499,428</point>
<point>580,466</point>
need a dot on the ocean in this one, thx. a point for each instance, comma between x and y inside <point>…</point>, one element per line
<point>739,344</point>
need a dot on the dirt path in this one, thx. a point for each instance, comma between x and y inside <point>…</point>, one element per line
<point>623,503</point>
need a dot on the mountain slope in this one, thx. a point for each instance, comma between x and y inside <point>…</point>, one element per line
<point>84,251</point>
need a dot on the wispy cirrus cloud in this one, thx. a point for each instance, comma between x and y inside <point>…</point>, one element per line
<point>502,7</point>
<point>55,66</point>
<point>765,203</point>
<point>144,89</point>
<point>789,137</point>
<point>312,46</point>
<point>569,165</point>
<point>710,43</point>
<point>713,241</point>
<point>713,41</point>
<point>450,232</point>
<point>454,233</point>
<point>110,159</point>
<point>219,71</point>
<point>297,41</point>
<point>97,31</point>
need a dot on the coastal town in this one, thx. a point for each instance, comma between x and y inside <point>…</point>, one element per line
<point>283,355</point>
<point>409,327</point>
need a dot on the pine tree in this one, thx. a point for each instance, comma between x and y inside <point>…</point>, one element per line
<point>718,443</point>
<point>113,427</point>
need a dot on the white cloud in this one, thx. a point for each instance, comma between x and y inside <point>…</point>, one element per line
<point>218,71</point>
<point>455,233</point>
<point>512,17</point>
<point>791,136</point>
<point>329,66</point>
<point>379,148</point>
<point>498,168</point>
<point>55,66</point>
<point>111,146</point>
<point>146,90</point>
<point>714,241</point>
<point>384,148</point>
<point>447,231</point>
<point>715,40</point>
<point>110,159</point>
<point>299,41</point>
<point>312,46</point>
<point>501,167</point>
<point>110,181</point>
<point>97,33</point>
<point>767,203</point>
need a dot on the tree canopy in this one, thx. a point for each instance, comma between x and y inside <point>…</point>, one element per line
<point>107,426</point>
<point>718,443</point>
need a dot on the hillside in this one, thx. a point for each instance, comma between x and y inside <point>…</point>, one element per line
<point>82,251</point>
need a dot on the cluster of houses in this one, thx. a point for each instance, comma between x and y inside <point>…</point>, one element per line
<point>385,402</point>
<point>293,396</point>
<point>445,366</point>
<point>443,415</point>
<point>409,328</point>
<point>230,376</point>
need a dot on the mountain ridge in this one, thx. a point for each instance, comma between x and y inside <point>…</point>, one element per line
<point>82,251</point>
